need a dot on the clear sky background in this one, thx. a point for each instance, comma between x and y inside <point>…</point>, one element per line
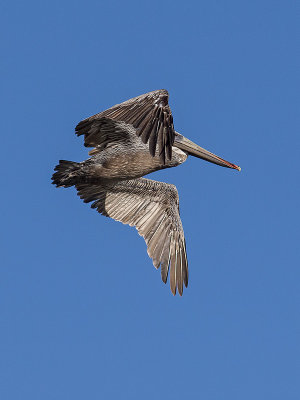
<point>84,314</point>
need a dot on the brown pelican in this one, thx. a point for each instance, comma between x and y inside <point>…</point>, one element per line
<point>130,140</point>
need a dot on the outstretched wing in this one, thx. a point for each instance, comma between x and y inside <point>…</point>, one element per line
<point>153,208</point>
<point>150,115</point>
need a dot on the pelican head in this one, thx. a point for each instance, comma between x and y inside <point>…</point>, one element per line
<point>193,149</point>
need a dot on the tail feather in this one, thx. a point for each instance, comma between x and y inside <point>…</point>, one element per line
<point>66,173</point>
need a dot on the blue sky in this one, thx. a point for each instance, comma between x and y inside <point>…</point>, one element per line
<point>83,313</point>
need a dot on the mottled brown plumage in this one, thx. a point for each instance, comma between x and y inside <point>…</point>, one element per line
<point>130,140</point>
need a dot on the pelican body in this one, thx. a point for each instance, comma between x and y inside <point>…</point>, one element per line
<point>131,140</point>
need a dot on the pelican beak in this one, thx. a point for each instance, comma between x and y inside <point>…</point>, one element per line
<point>194,150</point>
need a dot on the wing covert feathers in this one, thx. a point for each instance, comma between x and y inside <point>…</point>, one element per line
<point>153,208</point>
<point>149,114</point>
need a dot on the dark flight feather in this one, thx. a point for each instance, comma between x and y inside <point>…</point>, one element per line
<point>149,114</point>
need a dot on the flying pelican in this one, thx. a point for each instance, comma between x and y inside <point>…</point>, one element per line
<point>130,140</point>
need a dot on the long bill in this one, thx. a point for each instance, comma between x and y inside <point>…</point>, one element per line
<point>194,150</point>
